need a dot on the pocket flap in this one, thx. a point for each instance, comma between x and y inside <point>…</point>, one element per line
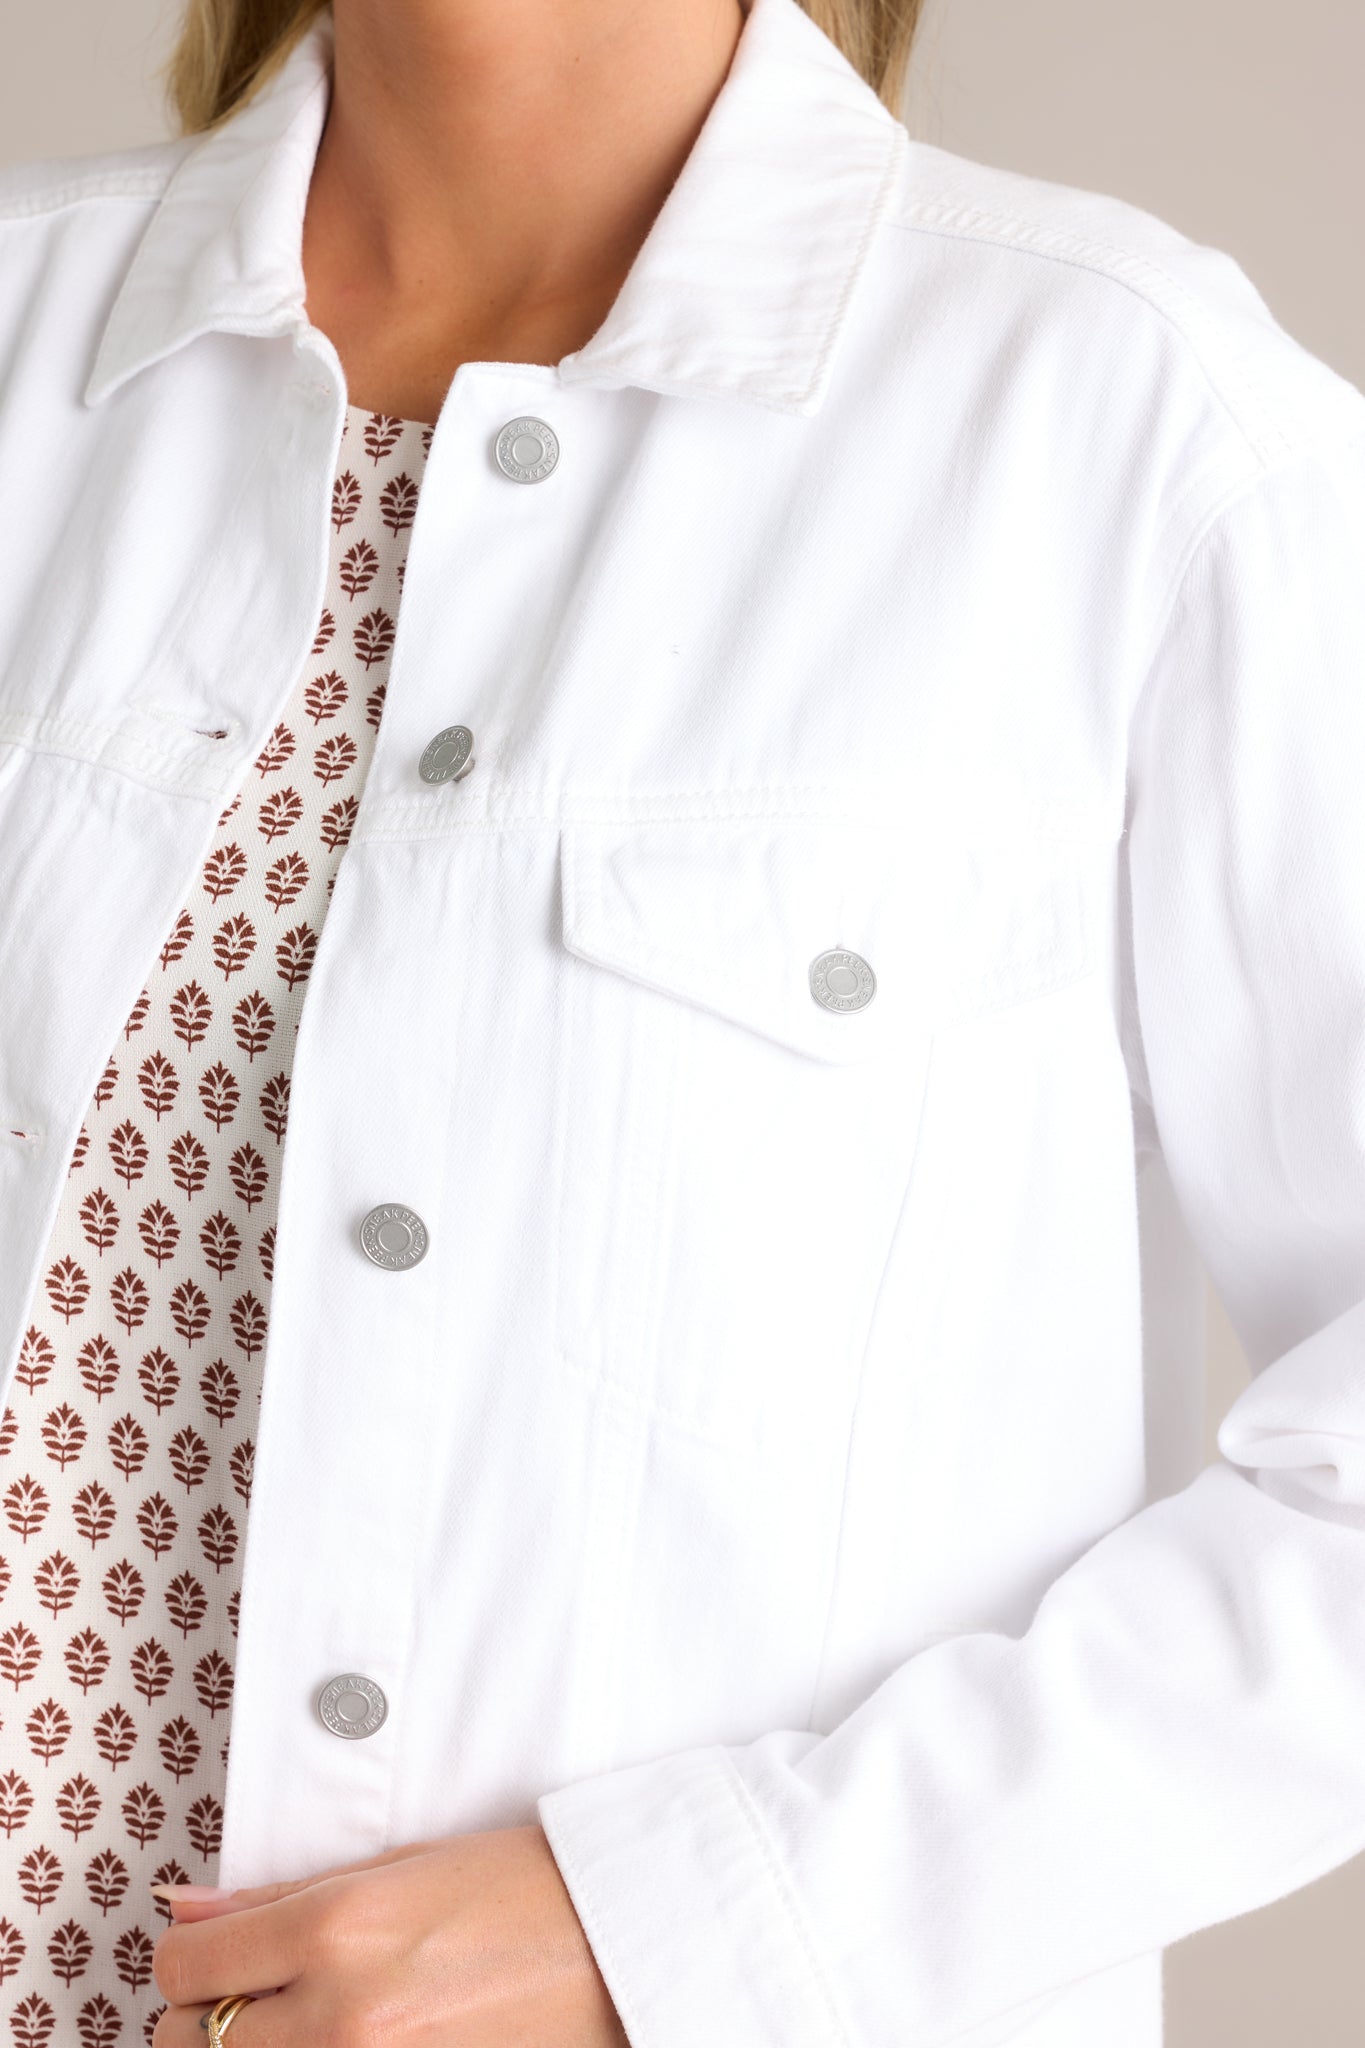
<point>730,914</point>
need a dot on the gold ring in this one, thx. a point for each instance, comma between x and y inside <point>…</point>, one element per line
<point>223,2014</point>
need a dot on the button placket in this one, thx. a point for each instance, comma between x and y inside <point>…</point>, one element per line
<point>393,1236</point>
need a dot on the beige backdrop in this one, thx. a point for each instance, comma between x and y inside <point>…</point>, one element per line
<point>1238,120</point>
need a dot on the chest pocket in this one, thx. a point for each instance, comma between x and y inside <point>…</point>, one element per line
<point>732,1154</point>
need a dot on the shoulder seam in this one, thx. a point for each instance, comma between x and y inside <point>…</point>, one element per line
<point>1137,274</point>
<point>1229,502</point>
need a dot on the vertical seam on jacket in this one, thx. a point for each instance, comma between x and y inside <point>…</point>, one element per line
<point>764,1844</point>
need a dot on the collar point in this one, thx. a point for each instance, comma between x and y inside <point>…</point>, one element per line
<point>104,378</point>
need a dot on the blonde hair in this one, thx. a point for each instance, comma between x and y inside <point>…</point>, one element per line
<point>227,49</point>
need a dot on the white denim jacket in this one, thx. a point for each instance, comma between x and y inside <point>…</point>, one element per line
<point>783,1474</point>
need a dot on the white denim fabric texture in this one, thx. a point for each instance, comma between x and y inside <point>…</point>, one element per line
<point>783,1473</point>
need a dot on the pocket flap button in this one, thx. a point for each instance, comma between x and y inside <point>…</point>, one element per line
<point>840,980</point>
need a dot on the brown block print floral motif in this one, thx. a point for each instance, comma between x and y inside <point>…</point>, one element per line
<point>126,1446</point>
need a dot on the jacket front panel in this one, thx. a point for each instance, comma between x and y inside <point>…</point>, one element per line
<point>761,1346</point>
<point>699,1172</point>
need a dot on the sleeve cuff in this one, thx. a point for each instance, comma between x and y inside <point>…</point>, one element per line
<point>693,1927</point>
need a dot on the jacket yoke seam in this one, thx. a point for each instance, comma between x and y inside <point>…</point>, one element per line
<point>1147,281</point>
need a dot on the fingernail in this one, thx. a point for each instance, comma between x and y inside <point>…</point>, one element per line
<point>190,1891</point>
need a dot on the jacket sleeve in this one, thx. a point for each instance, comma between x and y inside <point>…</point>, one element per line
<point>1177,1736</point>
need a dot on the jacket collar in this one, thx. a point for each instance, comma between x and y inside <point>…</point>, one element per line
<point>739,289</point>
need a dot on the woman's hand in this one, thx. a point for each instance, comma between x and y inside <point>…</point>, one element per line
<point>468,1941</point>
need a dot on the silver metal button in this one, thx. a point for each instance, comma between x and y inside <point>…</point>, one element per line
<point>447,756</point>
<point>352,1705</point>
<point>841,980</point>
<point>527,450</point>
<point>394,1237</point>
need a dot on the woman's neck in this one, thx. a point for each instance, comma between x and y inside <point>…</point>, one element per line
<point>488,171</point>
